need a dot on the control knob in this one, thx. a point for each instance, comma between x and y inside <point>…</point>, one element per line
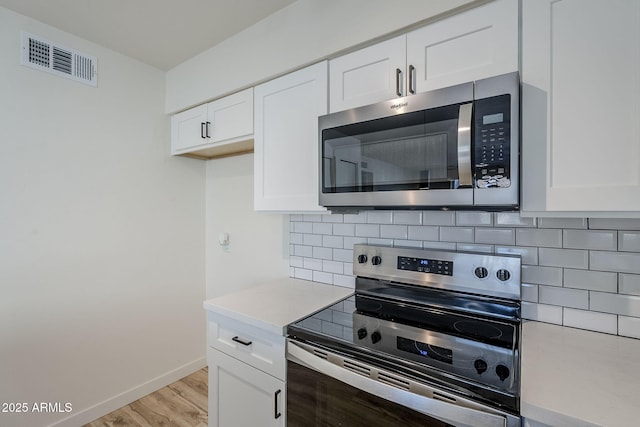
<point>362,333</point>
<point>481,272</point>
<point>376,337</point>
<point>502,372</point>
<point>376,260</point>
<point>480,365</point>
<point>362,259</point>
<point>503,275</point>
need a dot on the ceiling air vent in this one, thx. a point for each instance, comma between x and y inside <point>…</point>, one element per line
<point>44,55</point>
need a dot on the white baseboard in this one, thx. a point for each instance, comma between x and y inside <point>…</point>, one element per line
<point>94,412</point>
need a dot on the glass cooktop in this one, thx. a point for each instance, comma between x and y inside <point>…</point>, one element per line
<point>335,321</point>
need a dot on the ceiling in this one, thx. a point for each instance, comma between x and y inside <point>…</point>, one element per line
<point>161,33</point>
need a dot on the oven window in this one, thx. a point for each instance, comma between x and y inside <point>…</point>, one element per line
<point>316,400</point>
<point>411,151</point>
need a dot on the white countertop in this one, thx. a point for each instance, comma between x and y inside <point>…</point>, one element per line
<point>275,304</point>
<point>572,377</point>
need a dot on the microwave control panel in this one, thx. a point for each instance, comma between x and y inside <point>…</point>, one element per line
<point>492,142</point>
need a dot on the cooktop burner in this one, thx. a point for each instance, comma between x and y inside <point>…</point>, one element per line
<point>480,329</point>
<point>462,317</point>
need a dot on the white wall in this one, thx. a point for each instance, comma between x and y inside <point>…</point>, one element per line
<point>102,272</point>
<point>258,242</point>
<point>298,35</point>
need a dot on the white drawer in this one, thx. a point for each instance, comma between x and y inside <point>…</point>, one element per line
<point>254,346</point>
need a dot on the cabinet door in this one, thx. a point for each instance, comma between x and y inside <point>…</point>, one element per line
<point>286,140</point>
<point>580,106</point>
<point>243,396</point>
<point>231,118</point>
<point>475,44</point>
<point>375,73</point>
<point>188,129</point>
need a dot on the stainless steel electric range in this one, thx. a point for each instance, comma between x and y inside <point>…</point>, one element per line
<point>430,338</point>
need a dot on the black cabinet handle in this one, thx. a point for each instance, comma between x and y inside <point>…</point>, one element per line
<point>208,134</point>
<point>398,73</point>
<point>276,413</point>
<point>412,90</point>
<point>240,341</point>
<point>202,125</point>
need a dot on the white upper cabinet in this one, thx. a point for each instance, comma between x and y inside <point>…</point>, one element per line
<point>188,129</point>
<point>581,107</point>
<point>286,140</point>
<point>481,42</point>
<point>472,45</point>
<point>369,75</point>
<point>215,129</point>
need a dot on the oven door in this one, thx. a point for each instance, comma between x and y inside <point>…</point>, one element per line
<point>388,154</point>
<point>327,389</point>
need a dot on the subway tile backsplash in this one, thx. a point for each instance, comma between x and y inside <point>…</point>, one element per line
<point>578,272</point>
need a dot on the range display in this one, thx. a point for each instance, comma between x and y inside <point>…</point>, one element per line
<point>424,265</point>
<point>444,355</point>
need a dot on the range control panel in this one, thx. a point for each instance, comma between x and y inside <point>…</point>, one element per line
<point>477,273</point>
<point>424,265</point>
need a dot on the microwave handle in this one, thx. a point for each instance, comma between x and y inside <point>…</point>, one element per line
<point>464,145</point>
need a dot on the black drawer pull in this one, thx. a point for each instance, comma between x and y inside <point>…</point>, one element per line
<point>276,413</point>
<point>240,341</point>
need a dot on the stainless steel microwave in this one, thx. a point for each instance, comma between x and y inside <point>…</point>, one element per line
<point>451,148</point>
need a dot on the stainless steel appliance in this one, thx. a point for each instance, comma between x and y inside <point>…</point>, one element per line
<point>430,338</point>
<point>453,147</point>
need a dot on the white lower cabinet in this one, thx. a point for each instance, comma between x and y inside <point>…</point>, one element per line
<point>243,396</point>
<point>247,374</point>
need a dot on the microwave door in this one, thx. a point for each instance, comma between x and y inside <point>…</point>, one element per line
<point>417,159</point>
<point>412,152</point>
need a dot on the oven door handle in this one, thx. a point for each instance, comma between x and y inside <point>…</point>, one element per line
<point>465,174</point>
<point>447,412</point>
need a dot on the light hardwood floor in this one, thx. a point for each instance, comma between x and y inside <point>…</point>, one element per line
<point>181,404</point>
